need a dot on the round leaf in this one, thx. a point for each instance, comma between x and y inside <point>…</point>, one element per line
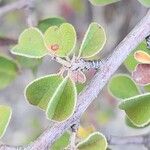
<point>142,57</point>
<point>93,42</point>
<point>130,124</point>
<point>8,71</point>
<point>5,115</point>
<point>63,102</point>
<point>31,44</point>
<point>122,86</point>
<point>137,109</point>
<point>46,23</point>
<point>95,141</point>
<point>146,3</point>
<point>62,142</point>
<point>40,91</point>
<point>60,40</point>
<point>141,75</point>
<point>103,2</point>
<point>29,62</point>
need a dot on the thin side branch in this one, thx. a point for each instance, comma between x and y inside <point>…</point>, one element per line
<point>30,14</point>
<point>138,140</point>
<point>121,52</point>
<point>7,41</point>
<point>12,6</point>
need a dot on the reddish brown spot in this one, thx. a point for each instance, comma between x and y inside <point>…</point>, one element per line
<point>54,47</point>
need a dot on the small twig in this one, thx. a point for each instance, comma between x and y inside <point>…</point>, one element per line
<point>7,41</point>
<point>13,6</point>
<point>130,140</point>
<point>30,14</point>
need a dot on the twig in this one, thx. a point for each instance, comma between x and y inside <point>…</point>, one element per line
<point>13,6</point>
<point>138,140</point>
<point>7,41</point>
<point>30,14</point>
<point>98,82</point>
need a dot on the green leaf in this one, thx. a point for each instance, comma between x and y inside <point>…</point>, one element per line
<point>43,25</point>
<point>8,71</point>
<point>63,102</point>
<point>130,63</point>
<point>31,44</point>
<point>130,124</point>
<point>40,91</point>
<point>147,88</point>
<point>137,109</point>
<point>103,2</point>
<point>30,63</point>
<point>146,3</point>
<point>60,40</point>
<point>5,115</point>
<point>122,86</point>
<point>62,142</point>
<point>80,87</point>
<point>95,141</point>
<point>93,42</point>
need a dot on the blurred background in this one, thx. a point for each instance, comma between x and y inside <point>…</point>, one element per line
<point>27,121</point>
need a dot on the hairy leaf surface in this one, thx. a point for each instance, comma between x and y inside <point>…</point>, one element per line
<point>137,109</point>
<point>95,141</point>
<point>122,86</point>
<point>63,102</point>
<point>30,44</point>
<point>93,42</point>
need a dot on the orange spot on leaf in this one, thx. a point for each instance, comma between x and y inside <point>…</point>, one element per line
<point>54,47</point>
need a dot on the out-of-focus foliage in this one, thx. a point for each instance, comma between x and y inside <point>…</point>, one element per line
<point>5,115</point>
<point>146,3</point>
<point>30,63</point>
<point>84,132</point>
<point>43,25</point>
<point>8,71</point>
<point>103,2</point>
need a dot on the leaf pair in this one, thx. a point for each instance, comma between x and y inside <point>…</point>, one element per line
<point>59,40</point>
<point>135,104</point>
<point>54,94</point>
<point>95,141</point>
<point>56,40</point>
